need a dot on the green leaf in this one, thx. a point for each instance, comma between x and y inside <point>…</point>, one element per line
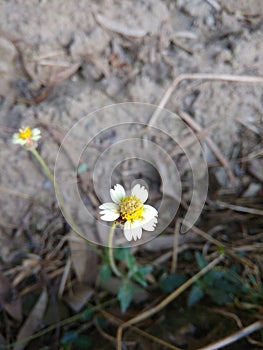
<point>105,273</point>
<point>201,261</point>
<point>171,282</point>
<point>69,337</point>
<point>82,168</point>
<point>125,295</point>
<point>220,249</point>
<point>138,277</point>
<point>220,296</point>
<point>87,314</point>
<point>130,260</point>
<point>139,273</point>
<point>121,253</point>
<point>195,295</point>
<point>145,269</point>
<point>211,277</point>
<point>83,342</point>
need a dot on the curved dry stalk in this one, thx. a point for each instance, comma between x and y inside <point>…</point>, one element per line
<point>235,336</point>
<point>214,148</point>
<point>229,251</point>
<point>240,208</point>
<point>167,300</point>
<point>201,76</point>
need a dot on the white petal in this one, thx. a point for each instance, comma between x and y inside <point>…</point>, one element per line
<point>109,211</point>
<point>150,225</point>
<point>131,232</point>
<point>36,131</point>
<point>16,139</point>
<point>117,193</point>
<point>149,212</point>
<point>109,206</point>
<point>108,215</point>
<point>36,134</point>
<point>140,192</point>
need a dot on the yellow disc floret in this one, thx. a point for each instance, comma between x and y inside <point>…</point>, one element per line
<point>131,208</point>
<point>25,134</point>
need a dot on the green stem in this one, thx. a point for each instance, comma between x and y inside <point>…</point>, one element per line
<point>111,251</point>
<point>61,200</point>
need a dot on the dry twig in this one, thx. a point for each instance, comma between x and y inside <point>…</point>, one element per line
<point>201,76</point>
<point>235,336</point>
<point>186,117</point>
<point>175,246</point>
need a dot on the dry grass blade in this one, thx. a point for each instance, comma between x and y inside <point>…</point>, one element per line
<point>212,145</point>
<point>120,28</point>
<point>15,193</point>
<point>175,246</point>
<point>235,336</point>
<point>202,76</point>
<point>144,315</point>
<point>57,77</point>
<point>240,209</point>
<point>227,250</point>
<point>82,257</point>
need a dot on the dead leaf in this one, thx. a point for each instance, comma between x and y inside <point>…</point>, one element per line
<point>57,77</point>
<point>32,322</point>
<point>120,28</point>
<point>255,167</point>
<point>84,260</point>
<point>80,296</point>
<point>9,298</point>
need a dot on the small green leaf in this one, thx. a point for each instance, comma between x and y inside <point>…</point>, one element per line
<point>138,277</point>
<point>125,295</point>
<point>195,295</point>
<point>87,314</point>
<point>171,282</point>
<point>201,261</point>
<point>105,273</point>
<point>145,269</point>
<point>220,249</point>
<point>82,168</point>
<point>121,253</point>
<point>130,260</point>
<point>139,273</point>
<point>69,337</point>
<point>83,342</point>
<point>220,296</point>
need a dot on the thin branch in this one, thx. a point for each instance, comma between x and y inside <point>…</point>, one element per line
<point>234,337</point>
<point>175,246</point>
<point>239,208</point>
<point>201,76</point>
<point>186,117</point>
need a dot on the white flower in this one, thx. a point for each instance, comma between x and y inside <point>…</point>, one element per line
<point>130,211</point>
<point>27,137</point>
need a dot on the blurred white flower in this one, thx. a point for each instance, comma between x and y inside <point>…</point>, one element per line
<point>130,211</point>
<point>27,137</point>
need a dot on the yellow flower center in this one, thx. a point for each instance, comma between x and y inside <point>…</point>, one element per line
<point>131,208</point>
<point>25,133</point>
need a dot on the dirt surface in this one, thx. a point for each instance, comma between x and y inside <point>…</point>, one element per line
<point>40,39</point>
<point>61,60</point>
